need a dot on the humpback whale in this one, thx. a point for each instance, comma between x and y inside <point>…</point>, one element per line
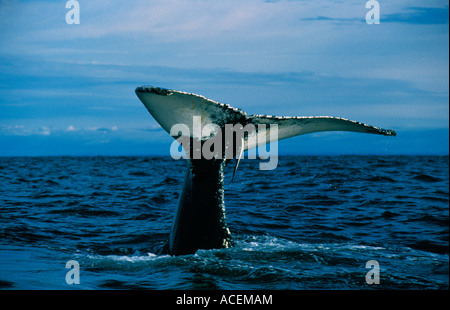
<point>200,221</point>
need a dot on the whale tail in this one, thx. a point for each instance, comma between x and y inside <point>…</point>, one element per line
<point>171,107</point>
<point>200,221</point>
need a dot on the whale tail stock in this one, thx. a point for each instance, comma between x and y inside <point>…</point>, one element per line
<point>200,221</point>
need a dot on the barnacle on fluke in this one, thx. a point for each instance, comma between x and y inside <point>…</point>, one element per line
<point>153,90</point>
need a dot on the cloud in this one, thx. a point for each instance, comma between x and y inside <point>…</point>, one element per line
<point>334,19</point>
<point>21,130</point>
<point>14,130</point>
<point>408,15</point>
<point>153,128</point>
<point>103,130</point>
<point>45,131</point>
<point>419,16</point>
<point>30,130</point>
<point>166,19</point>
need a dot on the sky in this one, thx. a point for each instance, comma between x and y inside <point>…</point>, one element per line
<point>68,89</point>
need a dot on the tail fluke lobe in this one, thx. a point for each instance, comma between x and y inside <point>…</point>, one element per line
<point>294,126</point>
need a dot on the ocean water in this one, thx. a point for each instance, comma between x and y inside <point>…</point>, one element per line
<point>312,223</point>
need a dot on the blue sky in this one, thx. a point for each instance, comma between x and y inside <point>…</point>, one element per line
<point>69,89</point>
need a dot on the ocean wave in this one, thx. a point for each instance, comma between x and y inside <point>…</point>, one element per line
<point>312,223</point>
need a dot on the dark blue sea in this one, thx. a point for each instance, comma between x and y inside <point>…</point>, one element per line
<point>312,223</point>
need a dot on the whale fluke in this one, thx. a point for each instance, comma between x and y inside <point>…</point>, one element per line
<point>170,107</point>
<point>200,221</point>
